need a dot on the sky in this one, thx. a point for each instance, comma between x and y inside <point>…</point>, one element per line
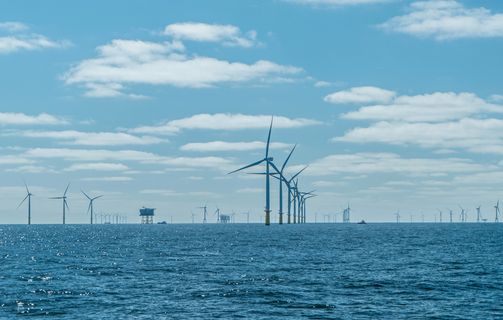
<point>394,105</point>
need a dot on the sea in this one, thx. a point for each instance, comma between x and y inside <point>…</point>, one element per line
<point>250,271</point>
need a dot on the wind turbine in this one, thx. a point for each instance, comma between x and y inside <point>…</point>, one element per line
<point>28,196</point>
<point>193,214</point>
<point>205,212</point>
<point>91,206</point>
<point>497,207</point>
<point>450,215</point>
<point>478,213</point>
<point>247,216</point>
<point>397,214</point>
<point>65,204</point>
<point>281,180</point>
<point>217,212</point>
<point>463,217</point>
<point>307,195</point>
<point>440,214</point>
<point>268,161</point>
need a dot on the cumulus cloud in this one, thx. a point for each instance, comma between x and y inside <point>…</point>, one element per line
<point>231,146</point>
<point>127,62</point>
<point>474,135</point>
<point>372,163</point>
<point>446,20</point>
<point>18,39</point>
<point>434,107</point>
<point>224,121</point>
<point>101,155</point>
<point>228,35</point>
<point>97,166</point>
<point>108,179</point>
<point>92,138</point>
<point>13,26</point>
<point>360,95</point>
<point>13,118</point>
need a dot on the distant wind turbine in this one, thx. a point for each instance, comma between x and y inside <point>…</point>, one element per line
<point>205,212</point>
<point>497,207</point>
<point>28,196</point>
<point>397,214</point>
<point>65,204</point>
<point>478,213</point>
<point>91,204</point>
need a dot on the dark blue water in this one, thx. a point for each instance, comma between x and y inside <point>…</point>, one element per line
<point>321,271</point>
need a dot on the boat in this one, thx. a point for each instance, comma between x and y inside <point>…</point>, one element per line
<point>162,222</point>
<point>361,222</point>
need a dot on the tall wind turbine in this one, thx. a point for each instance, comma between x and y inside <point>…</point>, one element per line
<point>65,204</point>
<point>217,212</point>
<point>497,207</point>
<point>268,161</point>
<point>450,215</point>
<point>281,181</point>
<point>440,214</point>
<point>463,214</point>
<point>478,213</point>
<point>397,214</point>
<point>28,196</point>
<point>91,202</point>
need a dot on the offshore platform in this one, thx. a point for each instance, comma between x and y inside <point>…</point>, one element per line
<point>147,215</point>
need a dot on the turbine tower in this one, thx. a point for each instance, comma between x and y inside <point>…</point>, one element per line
<point>450,215</point>
<point>440,215</point>
<point>268,161</point>
<point>497,207</point>
<point>205,212</point>
<point>397,214</point>
<point>65,204</point>
<point>217,212</point>
<point>478,213</point>
<point>91,202</point>
<point>28,196</point>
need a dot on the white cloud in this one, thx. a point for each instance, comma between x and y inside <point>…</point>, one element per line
<point>227,34</point>
<point>32,169</point>
<point>13,26</point>
<point>13,118</point>
<point>10,159</point>
<point>362,95</point>
<point>434,107</point>
<point>446,20</point>
<point>108,179</point>
<point>474,135</point>
<point>322,84</point>
<point>250,190</point>
<point>367,163</point>
<point>336,2</point>
<point>92,138</point>
<point>225,121</point>
<point>231,146</point>
<point>128,62</point>
<point>97,166</point>
<point>19,39</point>
<point>94,155</point>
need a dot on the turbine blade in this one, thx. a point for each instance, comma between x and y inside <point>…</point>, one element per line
<point>88,197</point>
<point>27,190</point>
<point>22,201</point>
<point>249,166</point>
<point>96,197</point>
<point>295,175</point>
<point>288,158</point>
<point>56,198</point>
<point>66,204</point>
<point>268,139</point>
<point>89,207</point>
<point>66,190</point>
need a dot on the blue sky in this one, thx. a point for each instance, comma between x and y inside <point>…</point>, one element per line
<point>395,105</point>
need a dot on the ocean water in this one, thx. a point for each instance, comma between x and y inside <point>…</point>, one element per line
<point>249,271</point>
